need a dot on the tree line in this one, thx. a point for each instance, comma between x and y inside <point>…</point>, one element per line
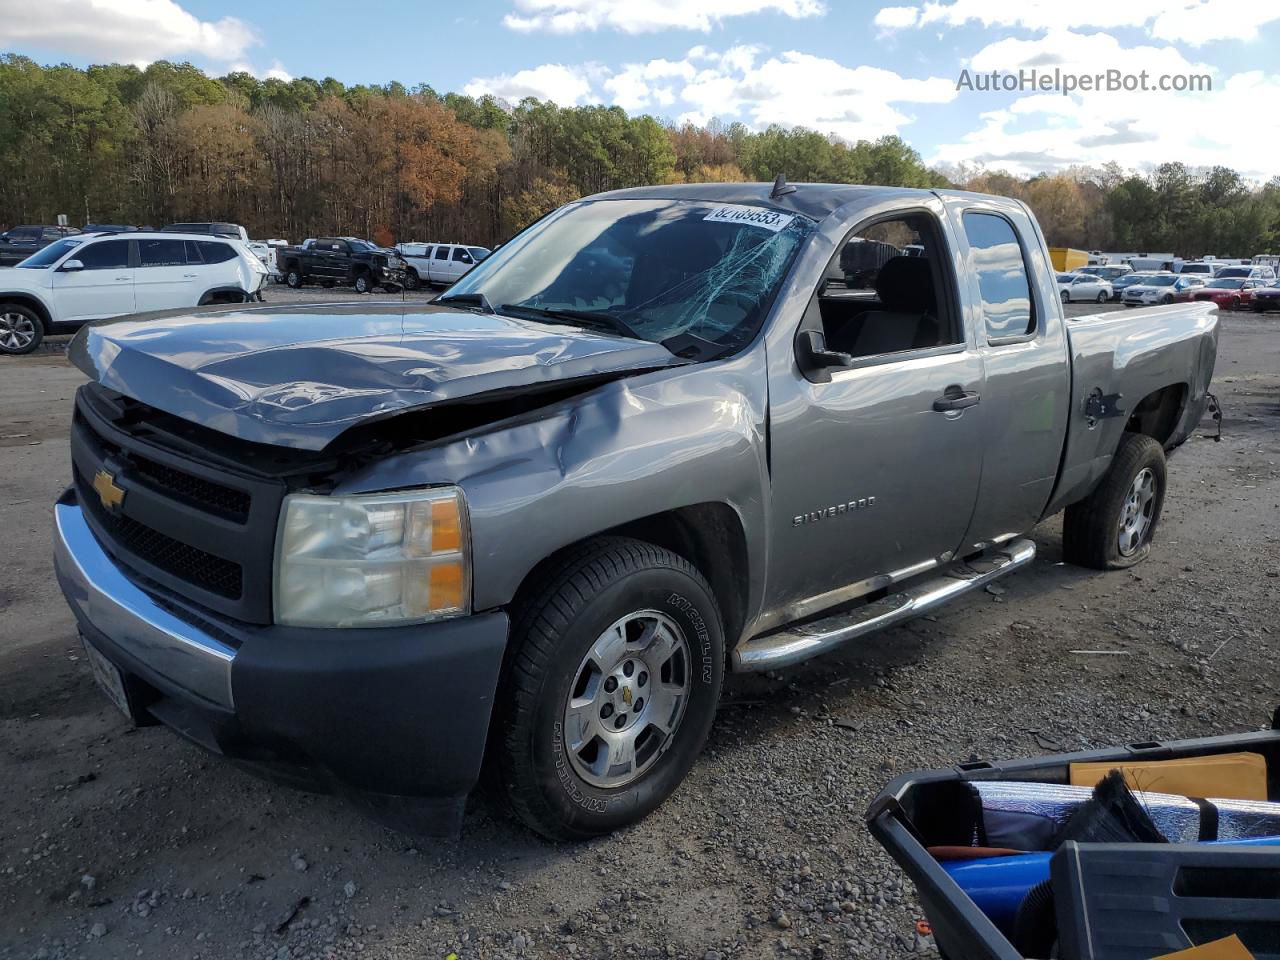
<point>117,144</point>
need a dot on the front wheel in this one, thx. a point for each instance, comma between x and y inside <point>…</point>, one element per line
<point>293,279</point>
<point>20,329</point>
<point>411,281</point>
<point>1166,299</point>
<point>1113,527</point>
<point>1235,303</point>
<point>363,284</point>
<point>619,655</point>
<point>1066,297</point>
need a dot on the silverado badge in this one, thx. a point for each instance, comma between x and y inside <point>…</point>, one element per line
<point>104,484</point>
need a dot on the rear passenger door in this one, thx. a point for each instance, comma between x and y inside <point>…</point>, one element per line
<point>441,265</point>
<point>163,279</point>
<point>875,472</point>
<point>1027,397</point>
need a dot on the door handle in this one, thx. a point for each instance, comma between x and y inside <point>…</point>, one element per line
<point>188,276</point>
<point>124,278</point>
<point>956,399</point>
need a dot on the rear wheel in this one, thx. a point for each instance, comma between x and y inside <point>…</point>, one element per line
<point>1113,527</point>
<point>20,329</point>
<point>1066,296</point>
<point>619,655</point>
<point>1102,296</point>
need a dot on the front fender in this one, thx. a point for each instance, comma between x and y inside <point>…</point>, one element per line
<point>624,451</point>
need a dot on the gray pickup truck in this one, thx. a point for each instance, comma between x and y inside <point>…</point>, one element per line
<point>659,435</point>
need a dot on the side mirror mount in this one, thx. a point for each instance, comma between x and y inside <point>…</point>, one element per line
<point>815,360</point>
<point>72,265</point>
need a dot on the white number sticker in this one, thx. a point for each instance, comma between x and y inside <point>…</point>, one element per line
<point>770,220</point>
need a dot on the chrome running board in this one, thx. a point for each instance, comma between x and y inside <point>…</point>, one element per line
<point>794,644</point>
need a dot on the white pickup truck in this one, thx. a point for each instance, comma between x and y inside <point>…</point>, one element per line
<point>438,264</point>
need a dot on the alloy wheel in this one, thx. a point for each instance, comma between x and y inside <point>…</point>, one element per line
<point>628,698</point>
<point>1135,515</point>
<point>16,331</point>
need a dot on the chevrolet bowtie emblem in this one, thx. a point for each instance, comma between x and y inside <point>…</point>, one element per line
<point>104,484</point>
<point>626,696</point>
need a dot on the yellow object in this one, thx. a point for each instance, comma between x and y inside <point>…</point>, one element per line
<point>1067,259</point>
<point>1228,948</point>
<point>1226,776</point>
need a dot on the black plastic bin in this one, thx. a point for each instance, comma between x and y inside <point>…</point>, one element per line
<point>912,813</point>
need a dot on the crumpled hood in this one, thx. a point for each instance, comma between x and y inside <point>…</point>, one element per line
<point>299,375</point>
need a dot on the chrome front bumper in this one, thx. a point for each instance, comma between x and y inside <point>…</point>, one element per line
<point>103,597</point>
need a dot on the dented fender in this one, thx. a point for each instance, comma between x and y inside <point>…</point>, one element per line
<point>600,460</point>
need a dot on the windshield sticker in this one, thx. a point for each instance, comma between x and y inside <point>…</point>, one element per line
<point>770,220</point>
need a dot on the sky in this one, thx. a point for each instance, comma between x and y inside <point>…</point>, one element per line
<point>856,69</point>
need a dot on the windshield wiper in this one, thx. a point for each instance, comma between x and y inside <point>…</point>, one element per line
<point>468,300</point>
<point>588,318</point>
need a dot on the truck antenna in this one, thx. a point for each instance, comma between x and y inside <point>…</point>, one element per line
<point>780,187</point>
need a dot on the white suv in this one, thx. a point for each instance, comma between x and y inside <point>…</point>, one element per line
<point>89,277</point>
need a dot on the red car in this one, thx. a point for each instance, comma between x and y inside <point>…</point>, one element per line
<point>1229,293</point>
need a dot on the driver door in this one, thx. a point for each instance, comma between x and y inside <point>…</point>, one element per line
<point>102,288</point>
<point>875,472</point>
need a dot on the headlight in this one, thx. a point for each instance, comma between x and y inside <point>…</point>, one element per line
<point>374,560</point>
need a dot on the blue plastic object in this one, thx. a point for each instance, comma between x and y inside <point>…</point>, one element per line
<point>998,885</point>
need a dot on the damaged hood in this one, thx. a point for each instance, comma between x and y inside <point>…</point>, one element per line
<point>299,376</point>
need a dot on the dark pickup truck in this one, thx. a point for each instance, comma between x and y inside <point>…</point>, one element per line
<point>21,242</point>
<point>347,261</point>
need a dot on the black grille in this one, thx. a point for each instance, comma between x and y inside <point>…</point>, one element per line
<point>191,519</point>
<point>203,493</point>
<point>182,560</point>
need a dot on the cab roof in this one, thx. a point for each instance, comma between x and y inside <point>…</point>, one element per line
<point>814,200</point>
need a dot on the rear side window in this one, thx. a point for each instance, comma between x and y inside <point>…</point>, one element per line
<point>442,253</point>
<point>162,253</point>
<point>211,251</point>
<point>1003,281</point>
<point>107,255</point>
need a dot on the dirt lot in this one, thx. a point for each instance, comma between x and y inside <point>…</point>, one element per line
<point>119,843</point>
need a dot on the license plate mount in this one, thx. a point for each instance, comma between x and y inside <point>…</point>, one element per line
<point>108,677</point>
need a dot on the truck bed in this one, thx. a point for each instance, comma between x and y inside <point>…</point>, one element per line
<point>1118,361</point>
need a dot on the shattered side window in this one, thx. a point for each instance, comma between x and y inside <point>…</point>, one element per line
<point>659,269</point>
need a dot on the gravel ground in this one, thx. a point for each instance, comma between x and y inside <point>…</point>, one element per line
<point>120,843</point>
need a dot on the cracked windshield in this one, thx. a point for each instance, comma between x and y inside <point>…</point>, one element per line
<point>696,277</point>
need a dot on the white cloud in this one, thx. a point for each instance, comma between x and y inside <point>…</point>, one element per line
<point>1191,22</point>
<point>896,18</point>
<point>128,31</point>
<point>790,89</point>
<point>638,85</point>
<point>565,85</point>
<point>1047,131</point>
<point>274,72</point>
<point>644,16</point>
